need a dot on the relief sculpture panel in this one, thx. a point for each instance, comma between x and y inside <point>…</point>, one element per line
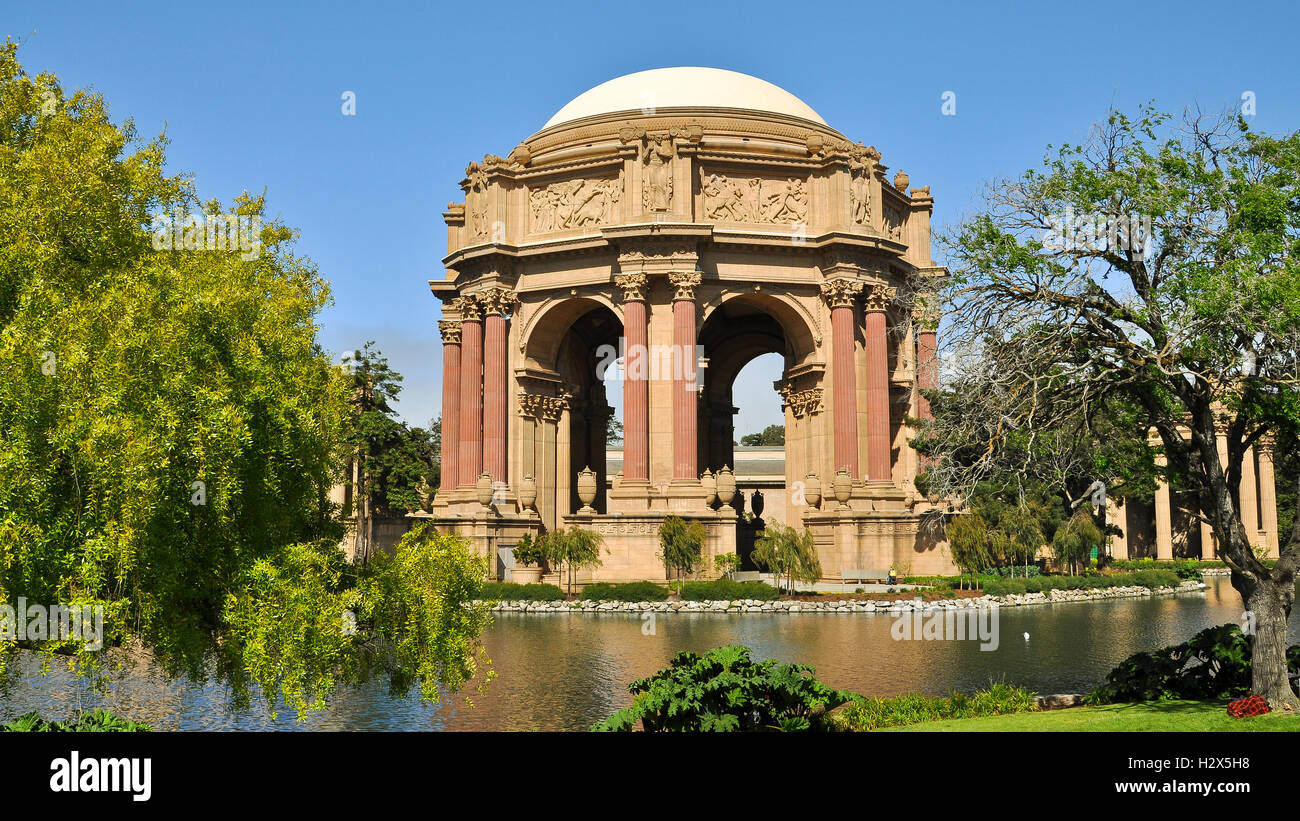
<point>575,204</point>
<point>727,199</point>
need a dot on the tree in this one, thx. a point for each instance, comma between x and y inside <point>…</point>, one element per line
<point>771,435</point>
<point>1075,540</point>
<point>968,542</point>
<point>570,546</point>
<point>681,544</point>
<point>787,553</point>
<point>394,466</point>
<point>613,431</point>
<point>1180,299</point>
<point>170,426</point>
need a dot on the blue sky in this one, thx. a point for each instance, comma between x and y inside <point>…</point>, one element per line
<point>249,94</point>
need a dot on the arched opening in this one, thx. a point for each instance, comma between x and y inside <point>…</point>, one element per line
<point>564,354</point>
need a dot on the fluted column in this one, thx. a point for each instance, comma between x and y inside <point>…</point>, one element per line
<point>685,414</point>
<point>471,390</point>
<point>1268,498</point>
<point>497,305</point>
<point>636,379</point>
<point>876,337</point>
<point>1164,512</point>
<point>450,476</point>
<point>840,295</point>
<point>927,366</point>
<point>1249,501</point>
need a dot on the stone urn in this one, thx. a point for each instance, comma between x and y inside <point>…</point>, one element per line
<point>901,180</point>
<point>484,489</point>
<point>812,490</point>
<point>526,574</point>
<point>587,489</point>
<point>756,503</point>
<point>528,494</point>
<point>843,487</point>
<point>710,485</point>
<point>726,483</point>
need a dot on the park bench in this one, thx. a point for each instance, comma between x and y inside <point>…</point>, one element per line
<point>859,575</point>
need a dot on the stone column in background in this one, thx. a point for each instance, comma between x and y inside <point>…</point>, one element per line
<point>471,390</point>
<point>497,305</point>
<point>685,413</point>
<point>450,476</point>
<point>876,337</point>
<point>1164,514</point>
<point>1249,500</point>
<point>1268,497</point>
<point>927,349</point>
<point>636,379</point>
<point>840,295</point>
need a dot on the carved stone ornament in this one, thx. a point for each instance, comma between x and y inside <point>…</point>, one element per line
<point>470,308</point>
<point>802,403</point>
<point>893,219</point>
<point>450,330</point>
<point>498,301</point>
<point>685,282</point>
<point>877,297</point>
<point>840,293</point>
<point>632,285</point>
<point>536,406</point>
<point>901,180</point>
<point>753,199</point>
<point>575,204</point>
<point>657,155</point>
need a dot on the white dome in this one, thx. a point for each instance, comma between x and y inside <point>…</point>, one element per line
<point>684,87</point>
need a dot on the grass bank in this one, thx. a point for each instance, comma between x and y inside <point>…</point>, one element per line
<point>1150,716</point>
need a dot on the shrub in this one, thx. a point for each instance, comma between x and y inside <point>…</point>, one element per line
<point>631,592</point>
<point>1214,664</point>
<point>727,590</point>
<point>1141,578</point>
<point>513,591</point>
<point>873,713</point>
<point>724,691</point>
<point>92,721</point>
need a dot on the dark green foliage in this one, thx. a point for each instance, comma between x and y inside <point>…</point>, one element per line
<point>1185,568</point>
<point>88,721</point>
<point>1214,664</point>
<point>771,436</point>
<point>873,713</point>
<point>632,591</point>
<point>1039,584</point>
<point>726,590</point>
<point>511,591</point>
<point>681,544</point>
<point>724,691</point>
<point>1028,571</point>
<point>529,551</point>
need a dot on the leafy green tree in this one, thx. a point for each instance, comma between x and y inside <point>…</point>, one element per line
<point>571,547</point>
<point>1076,538</point>
<point>770,436</point>
<point>613,430</point>
<point>170,427</point>
<point>682,544</point>
<point>1184,306</point>
<point>788,554</point>
<point>968,543</point>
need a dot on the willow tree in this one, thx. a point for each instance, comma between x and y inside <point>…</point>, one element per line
<point>170,429</point>
<point>1154,265</point>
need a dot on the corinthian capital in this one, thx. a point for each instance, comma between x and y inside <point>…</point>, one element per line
<point>877,297</point>
<point>632,285</point>
<point>685,282</point>
<point>840,293</point>
<point>450,330</point>
<point>498,301</point>
<point>470,308</point>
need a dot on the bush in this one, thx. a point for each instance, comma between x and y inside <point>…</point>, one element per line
<point>724,691</point>
<point>92,721</point>
<point>1018,571</point>
<point>1214,664</point>
<point>873,713</point>
<point>1040,584</point>
<point>513,591</point>
<point>632,591</point>
<point>1185,568</point>
<point>727,590</point>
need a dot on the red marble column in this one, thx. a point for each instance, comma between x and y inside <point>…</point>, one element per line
<point>498,303</point>
<point>450,404</point>
<point>927,374</point>
<point>877,387</point>
<point>471,391</point>
<point>636,379</point>
<point>840,295</point>
<point>685,413</point>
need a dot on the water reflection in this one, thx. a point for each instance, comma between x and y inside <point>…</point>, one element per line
<point>564,672</point>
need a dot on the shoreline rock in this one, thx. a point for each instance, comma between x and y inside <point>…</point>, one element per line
<point>742,606</point>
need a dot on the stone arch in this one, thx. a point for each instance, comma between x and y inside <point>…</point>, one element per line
<point>799,326</point>
<point>545,329</point>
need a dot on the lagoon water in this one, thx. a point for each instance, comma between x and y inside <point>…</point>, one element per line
<point>564,671</point>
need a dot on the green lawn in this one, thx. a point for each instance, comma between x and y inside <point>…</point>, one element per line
<point>1155,716</point>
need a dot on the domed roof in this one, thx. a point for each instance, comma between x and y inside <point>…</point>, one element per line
<point>684,87</point>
